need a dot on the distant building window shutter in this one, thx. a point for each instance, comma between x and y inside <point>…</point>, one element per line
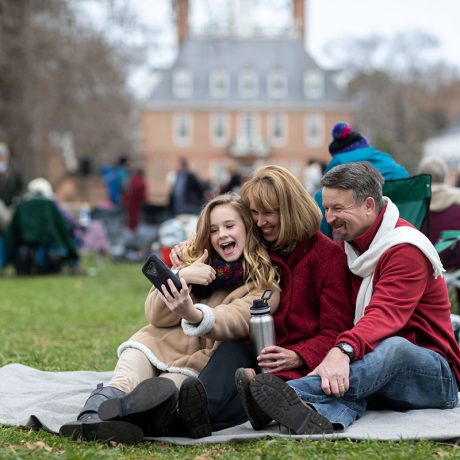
<point>313,84</point>
<point>219,129</point>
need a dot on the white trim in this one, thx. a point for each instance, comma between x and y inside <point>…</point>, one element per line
<point>203,327</point>
<point>160,365</point>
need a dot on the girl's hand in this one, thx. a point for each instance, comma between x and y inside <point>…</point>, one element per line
<point>180,302</point>
<point>276,359</point>
<point>199,272</point>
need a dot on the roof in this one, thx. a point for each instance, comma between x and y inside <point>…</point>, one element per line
<point>203,54</point>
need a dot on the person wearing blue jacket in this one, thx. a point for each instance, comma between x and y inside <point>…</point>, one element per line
<point>350,146</point>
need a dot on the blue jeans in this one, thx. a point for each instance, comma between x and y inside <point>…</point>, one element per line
<point>397,373</point>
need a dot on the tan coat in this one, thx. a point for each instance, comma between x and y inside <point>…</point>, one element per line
<point>174,345</point>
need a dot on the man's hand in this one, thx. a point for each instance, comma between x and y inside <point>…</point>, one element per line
<point>334,371</point>
<point>181,303</point>
<point>199,272</point>
<point>278,359</point>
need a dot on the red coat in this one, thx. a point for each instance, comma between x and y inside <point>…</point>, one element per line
<point>407,301</point>
<point>315,304</point>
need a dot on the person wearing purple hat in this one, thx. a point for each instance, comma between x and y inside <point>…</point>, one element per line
<point>349,146</point>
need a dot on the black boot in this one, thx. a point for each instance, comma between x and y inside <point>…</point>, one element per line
<point>193,408</point>
<point>152,405</point>
<point>90,427</point>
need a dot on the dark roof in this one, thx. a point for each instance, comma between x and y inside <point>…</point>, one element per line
<point>203,54</point>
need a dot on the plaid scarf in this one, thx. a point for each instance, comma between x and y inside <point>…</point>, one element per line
<point>229,275</point>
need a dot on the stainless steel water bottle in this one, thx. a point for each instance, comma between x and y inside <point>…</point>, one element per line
<point>261,326</point>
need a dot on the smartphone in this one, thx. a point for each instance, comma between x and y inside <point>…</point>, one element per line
<point>158,273</point>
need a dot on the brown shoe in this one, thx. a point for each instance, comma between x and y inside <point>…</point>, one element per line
<point>280,401</point>
<point>257,417</point>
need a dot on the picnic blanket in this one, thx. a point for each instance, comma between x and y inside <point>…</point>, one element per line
<point>46,400</point>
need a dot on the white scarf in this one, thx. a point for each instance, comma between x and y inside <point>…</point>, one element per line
<point>386,237</point>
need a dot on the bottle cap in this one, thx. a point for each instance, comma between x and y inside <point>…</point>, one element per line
<point>260,306</point>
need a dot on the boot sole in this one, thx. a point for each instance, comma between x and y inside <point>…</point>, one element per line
<point>193,408</point>
<point>281,402</point>
<point>143,399</point>
<point>117,431</point>
<point>256,416</point>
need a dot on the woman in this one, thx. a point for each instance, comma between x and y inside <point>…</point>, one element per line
<point>158,367</point>
<point>315,301</point>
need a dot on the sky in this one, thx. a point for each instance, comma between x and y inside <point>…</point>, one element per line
<point>329,20</point>
<point>326,21</point>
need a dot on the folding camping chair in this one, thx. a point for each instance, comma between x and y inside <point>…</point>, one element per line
<point>412,196</point>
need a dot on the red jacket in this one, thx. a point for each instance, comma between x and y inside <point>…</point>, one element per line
<point>315,304</point>
<point>407,301</point>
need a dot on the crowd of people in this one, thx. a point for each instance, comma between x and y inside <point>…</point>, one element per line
<point>360,306</point>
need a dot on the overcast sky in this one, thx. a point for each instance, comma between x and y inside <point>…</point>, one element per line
<point>328,20</point>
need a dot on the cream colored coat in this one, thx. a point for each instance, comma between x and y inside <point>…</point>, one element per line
<point>174,345</point>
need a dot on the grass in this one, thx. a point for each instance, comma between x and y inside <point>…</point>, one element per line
<point>72,323</point>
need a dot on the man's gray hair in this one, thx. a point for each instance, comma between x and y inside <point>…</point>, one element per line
<point>362,178</point>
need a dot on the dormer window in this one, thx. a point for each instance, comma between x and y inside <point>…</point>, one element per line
<point>219,83</point>
<point>277,84</point>
<point>248,83</point>
<point>313,84</point>
<point>182,83</point>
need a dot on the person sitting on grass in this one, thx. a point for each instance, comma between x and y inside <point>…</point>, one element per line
<point>401,353</point>
<point>155,390</point>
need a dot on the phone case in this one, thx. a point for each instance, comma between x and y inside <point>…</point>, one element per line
<point>158,273</point>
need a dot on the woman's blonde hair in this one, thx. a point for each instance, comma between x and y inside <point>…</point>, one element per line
<point>274,188</point>
<point>257,265</point>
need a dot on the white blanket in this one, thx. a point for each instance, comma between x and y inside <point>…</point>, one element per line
<point>32,397</point>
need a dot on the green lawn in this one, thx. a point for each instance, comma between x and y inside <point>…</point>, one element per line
<point>72,323</point>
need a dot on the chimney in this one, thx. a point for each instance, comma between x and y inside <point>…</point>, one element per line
<point>298,7</point>
<point>181,8</point>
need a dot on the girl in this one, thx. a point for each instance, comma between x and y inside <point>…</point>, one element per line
<point>155,390</point>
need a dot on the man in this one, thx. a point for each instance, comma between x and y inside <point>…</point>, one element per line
<point>401,353</point>
<point>187,194</point>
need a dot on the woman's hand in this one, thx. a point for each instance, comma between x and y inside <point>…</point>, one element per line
<point>276,359</point>
<point>180,302</point>
<point>198,272</point>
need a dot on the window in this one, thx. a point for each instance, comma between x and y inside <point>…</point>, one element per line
<point>219,129</point>
<point>277,129</point>
<point>313,84</point>
<point>182,129</point>
<point>182,83</point>
<point>249,127</point>
<point>277,84</point>
<point>248,83</point>
<point>314,130</point>
<point>219,83</point>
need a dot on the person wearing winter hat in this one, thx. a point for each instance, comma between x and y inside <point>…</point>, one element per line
<point>349,146</point>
